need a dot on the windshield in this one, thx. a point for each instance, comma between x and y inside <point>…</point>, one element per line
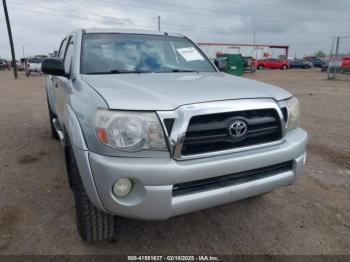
<point>35,60</point>
<point>105,53</point>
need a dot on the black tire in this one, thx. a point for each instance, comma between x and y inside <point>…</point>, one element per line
<point>93,225</point>
<point>260,67</point>
<point>284,67</point>
<point>51,117</point>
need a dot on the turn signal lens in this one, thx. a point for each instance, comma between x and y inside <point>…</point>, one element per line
<point>102,135</point>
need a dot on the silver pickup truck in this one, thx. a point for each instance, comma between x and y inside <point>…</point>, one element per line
<point>152,129</point>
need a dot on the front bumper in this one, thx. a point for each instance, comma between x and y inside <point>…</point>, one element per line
<point>152,197</point>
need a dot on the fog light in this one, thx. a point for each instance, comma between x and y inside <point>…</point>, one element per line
<point>122,187</point>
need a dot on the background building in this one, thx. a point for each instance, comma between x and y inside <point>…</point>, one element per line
<point>256,51</point>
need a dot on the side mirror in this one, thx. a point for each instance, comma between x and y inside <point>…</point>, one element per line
<point>53,66</point>
<point>221,64</point>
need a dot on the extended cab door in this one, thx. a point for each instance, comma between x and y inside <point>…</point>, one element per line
<point>63,86</point>
<point>53,80</point>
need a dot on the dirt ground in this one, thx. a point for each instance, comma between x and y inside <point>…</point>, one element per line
<point>311,217</point>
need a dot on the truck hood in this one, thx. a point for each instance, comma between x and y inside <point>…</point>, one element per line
<point>168,91</point>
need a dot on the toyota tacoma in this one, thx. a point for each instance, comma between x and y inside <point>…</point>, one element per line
<point>152,129</point>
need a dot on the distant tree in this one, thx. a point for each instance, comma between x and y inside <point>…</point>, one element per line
<point>320,54</point>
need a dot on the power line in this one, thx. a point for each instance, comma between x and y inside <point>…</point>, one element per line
<point>166,24</point>
<point>224,11</point>
<point>44,11</point>
<point>74,7</point>
<point>48,13</point>
<point>185,11</point>
<point>82,9</point>
<point>284,6</point>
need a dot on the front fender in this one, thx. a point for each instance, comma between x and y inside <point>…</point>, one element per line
<point>73,129</point>
<point>81,154</point>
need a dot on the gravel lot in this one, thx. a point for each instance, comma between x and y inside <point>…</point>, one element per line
<point>311,217</point>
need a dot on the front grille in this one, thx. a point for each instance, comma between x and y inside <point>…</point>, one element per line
<point>231,179</point>
<point>210,133</point>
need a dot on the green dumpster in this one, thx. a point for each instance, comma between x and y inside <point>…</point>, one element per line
<point>235,63</point>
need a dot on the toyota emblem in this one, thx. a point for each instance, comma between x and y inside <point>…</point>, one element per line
<point>238,129</point>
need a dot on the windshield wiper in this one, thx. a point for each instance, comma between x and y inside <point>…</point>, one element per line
<point>180,70</point>
<point>120,71</point>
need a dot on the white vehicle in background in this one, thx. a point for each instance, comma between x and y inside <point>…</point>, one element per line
<point>33,65</point>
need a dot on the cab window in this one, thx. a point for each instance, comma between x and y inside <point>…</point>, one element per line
<point>62,48</point>
<point>69,56</point>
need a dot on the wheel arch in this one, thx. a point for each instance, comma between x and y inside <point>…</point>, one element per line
<point>72,129</point>
<point>74,140</point>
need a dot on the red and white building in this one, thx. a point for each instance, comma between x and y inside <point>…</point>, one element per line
<point>255,51</point>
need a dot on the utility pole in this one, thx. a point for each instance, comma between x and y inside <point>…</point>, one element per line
<point>23,52</point>
<point>14,64</point>
<point>330,59</point>
<point>159,23</point>
<point>336,55</point>
<point>254,46</point>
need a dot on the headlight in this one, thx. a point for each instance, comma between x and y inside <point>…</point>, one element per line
<point>293,113</point>
<point>129,131</point>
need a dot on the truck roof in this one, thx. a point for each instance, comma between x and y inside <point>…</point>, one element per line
<point>128,31</point>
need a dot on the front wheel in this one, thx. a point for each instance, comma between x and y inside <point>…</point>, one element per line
<point>284,67</point>
<point>260,67</point>
<point>93,224</point>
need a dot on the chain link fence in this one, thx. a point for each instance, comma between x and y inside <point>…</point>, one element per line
<point>338,65</point>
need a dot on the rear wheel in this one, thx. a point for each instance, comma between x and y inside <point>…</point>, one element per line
<point>93,225</point>
<point>284,67</point>
<point>260,67</point>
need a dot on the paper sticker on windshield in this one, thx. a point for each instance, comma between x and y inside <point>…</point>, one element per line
<point>190,54</point>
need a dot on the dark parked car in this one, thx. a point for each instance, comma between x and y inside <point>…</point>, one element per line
<point>300,63</point>
<point>315,61</point>
<point>4,64</point>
